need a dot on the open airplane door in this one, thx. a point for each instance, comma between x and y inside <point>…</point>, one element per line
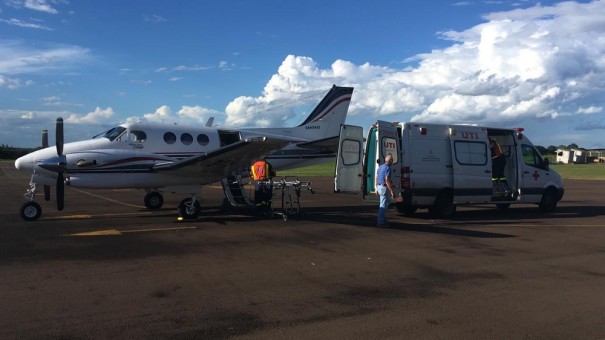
<point>348,172</point>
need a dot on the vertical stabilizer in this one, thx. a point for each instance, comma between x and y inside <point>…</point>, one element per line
<point>325,120</point>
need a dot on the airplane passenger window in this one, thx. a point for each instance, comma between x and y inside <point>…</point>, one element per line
<point>139,136</point>
<point>169,138</point>
<point>186,138</point>
<point>202,139</point>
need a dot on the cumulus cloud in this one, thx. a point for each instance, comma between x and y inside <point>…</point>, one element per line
<point>542,62</point>
<point>97,116</point>
<point>186,115</point>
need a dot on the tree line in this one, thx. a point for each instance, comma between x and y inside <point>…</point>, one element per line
<point>9,152</point>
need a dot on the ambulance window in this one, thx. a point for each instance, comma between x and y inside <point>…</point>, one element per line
<point>169,138</point>
<point>470,153</point>
<point>186,139</point>
<point>350,154</point>
<point>531,157</point>
<point>202,139</point>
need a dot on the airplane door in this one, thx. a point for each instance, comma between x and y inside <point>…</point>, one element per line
<point>471,165</point>
<point>388,142</point>
<point>349,160</point>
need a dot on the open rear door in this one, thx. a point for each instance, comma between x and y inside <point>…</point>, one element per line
<point>388,142</point>
<point>349,160</point>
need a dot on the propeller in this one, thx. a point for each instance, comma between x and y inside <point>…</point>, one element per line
<point>56,164</point>
<point>44,146</point>
<point>62,162</point>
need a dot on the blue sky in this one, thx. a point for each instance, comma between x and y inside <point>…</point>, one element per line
<point>537,65</point>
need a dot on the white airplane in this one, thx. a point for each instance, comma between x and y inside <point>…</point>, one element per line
<point>179,159</point>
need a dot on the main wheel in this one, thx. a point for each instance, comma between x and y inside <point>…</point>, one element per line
<point>31,211</point>
<point>154,200</point>
<point>548,203</point>
<point>189,210</point>
<point>444,205</point>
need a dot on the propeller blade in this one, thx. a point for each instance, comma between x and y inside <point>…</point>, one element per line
<point>47,192</point>
<point>44,138</point>
<point>60,191</point>
<point>59,136</point>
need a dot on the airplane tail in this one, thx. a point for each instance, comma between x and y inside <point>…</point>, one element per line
<point>325,120</point>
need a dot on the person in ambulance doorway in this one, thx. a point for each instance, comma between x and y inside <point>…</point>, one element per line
<point>262,172</point>
<point>498,160</point>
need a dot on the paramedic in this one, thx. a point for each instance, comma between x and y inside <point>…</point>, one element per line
<point>262,173</point>
<point>384,189</point>
<point>498,160</point>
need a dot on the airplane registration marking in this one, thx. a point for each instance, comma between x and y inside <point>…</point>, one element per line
<point>116,232</point>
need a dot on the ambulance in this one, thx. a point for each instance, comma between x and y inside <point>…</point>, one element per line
<point>442,166</point>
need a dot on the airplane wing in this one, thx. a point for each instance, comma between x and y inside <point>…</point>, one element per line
<point>223,162</point>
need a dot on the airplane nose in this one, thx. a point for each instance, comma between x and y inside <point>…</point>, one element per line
<point>23,163</point>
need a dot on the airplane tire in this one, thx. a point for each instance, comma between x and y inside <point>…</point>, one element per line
<point>548,203</point>
<point>189,211</point>
<point>154,200</point>
<point>30,211</point>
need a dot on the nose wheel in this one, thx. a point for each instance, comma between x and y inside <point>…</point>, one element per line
<point>30,211</point>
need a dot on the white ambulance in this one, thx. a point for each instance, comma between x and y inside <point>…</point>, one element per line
<point>439,166</point>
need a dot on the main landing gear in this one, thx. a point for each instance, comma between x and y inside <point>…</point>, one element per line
<point>154,200</point>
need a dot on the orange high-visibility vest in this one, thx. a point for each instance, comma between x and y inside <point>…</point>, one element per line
<point>260,171</point>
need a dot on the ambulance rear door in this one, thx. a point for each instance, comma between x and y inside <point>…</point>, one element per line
<point>388,142</point>
<point>348,172</point>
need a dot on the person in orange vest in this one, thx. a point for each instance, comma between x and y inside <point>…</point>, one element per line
<point>262,172</point>
<point>498,160</point>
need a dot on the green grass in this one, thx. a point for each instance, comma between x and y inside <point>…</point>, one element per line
<point>325,169</point>
<point>580,171</point>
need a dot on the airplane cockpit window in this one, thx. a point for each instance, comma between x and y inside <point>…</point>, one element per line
<point>138,136</point>
<point>186,139</point>
<point>112,134</point>
<point>202,139</point>
<point>169,138</point>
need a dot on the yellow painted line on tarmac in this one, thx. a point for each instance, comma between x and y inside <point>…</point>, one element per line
<point>88,216</point>
<point>114,232</point>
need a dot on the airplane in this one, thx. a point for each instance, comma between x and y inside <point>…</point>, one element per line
<point>178,159</point>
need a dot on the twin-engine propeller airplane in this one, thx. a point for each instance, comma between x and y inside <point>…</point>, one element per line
<point>179,159</point>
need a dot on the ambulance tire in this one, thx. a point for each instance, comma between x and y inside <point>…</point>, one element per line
<point>444,206</point>
<point>406,210</point>
<point>548,203</point>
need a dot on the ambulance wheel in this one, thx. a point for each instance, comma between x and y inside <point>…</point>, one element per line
<point>189,210</point>
<point>503,206</point>
<point>31,211</point>
<point>154,200</point>
<point>444,205</point>
<point>406,210</point>
<point>548,203</point>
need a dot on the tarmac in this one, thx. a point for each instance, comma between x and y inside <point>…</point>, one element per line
<point>105,267</point>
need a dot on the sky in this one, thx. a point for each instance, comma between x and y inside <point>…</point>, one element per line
<point>267,63</point>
